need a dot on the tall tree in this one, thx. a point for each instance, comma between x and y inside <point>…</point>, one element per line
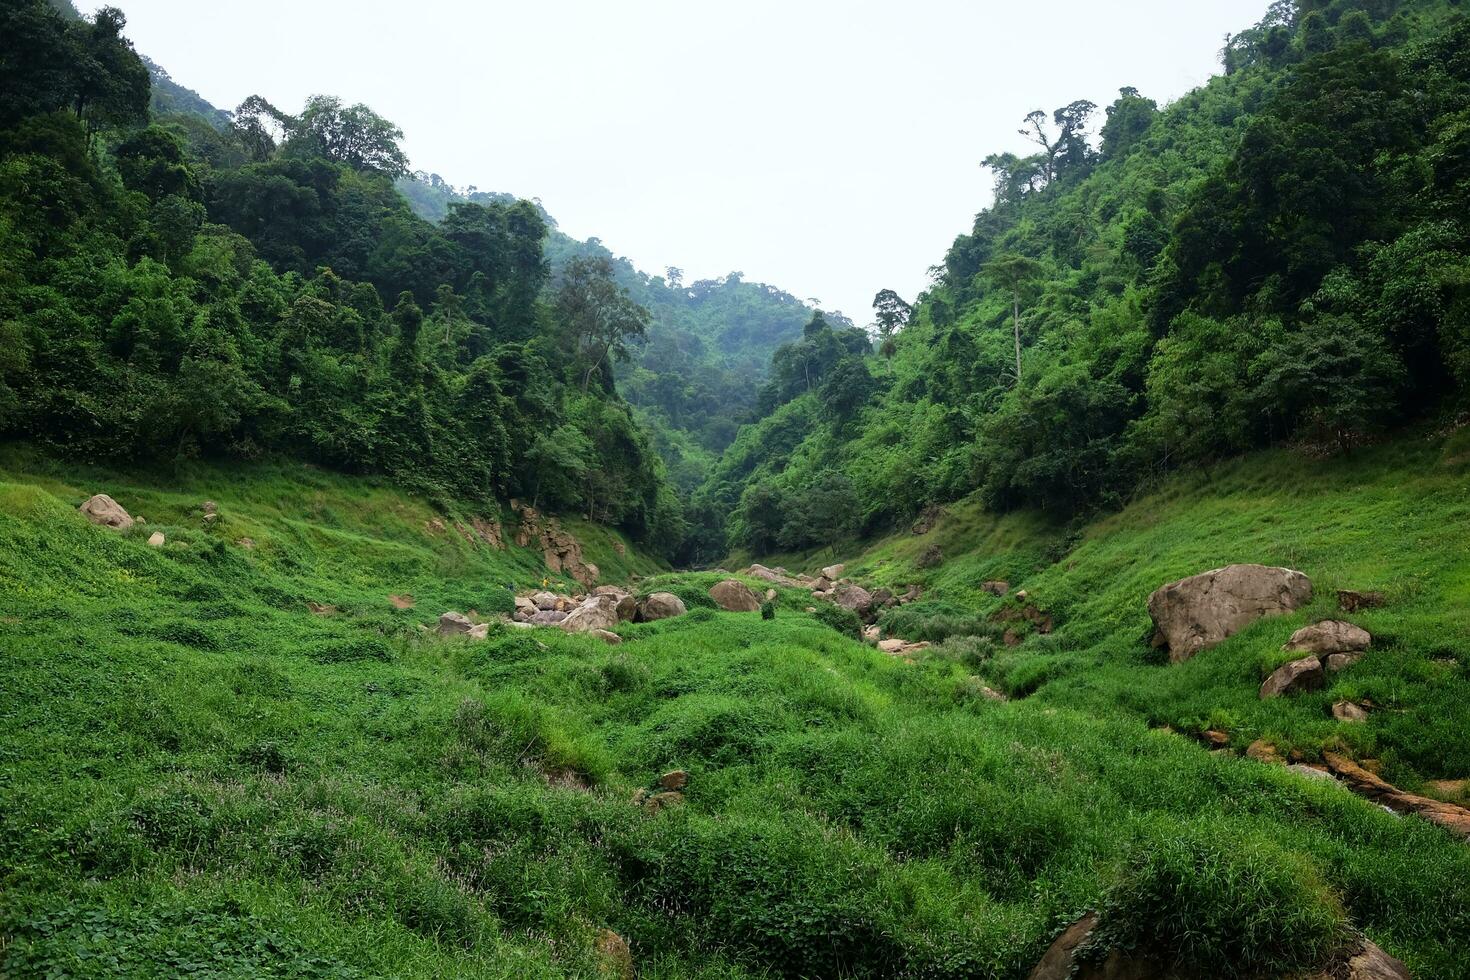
<point>1013,273</point>
<point>598,314</point>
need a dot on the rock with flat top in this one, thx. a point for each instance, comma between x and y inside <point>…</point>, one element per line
<point>545,600</point>
<point>734,596</point>
<point>155,540</point>
<point>1198,612</point>
<point>547,617</point>
<point>1340,661</point>
<point>1348,711</point>
<point>660,605</point>
<point>454,624</point>
<point>614,958</point>
<point>995,587</point>
<point>597,612</point>
<point>854,597</point>
<point>103,511</point>
<point>1299,675</point>
<point>833,572</point>
<point>1329,636</point>
<point>608,636</point>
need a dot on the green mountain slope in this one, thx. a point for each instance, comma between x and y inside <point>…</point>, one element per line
<point>203,775</point>
<point>1279,256</point>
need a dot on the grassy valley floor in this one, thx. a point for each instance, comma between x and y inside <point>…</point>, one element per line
<point>204,778</point>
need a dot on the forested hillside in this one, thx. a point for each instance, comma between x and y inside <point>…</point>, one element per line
<point>696,374</point>
<point>173,289</point>
<point>1279,256</point>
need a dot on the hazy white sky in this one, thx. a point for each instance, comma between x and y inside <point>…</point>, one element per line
<point>829,147</point>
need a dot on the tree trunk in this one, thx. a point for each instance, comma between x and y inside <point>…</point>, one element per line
<point>1016,328</point>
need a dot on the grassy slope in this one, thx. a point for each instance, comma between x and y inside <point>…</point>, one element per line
<point>1392,518</point>
<point>201,776</point>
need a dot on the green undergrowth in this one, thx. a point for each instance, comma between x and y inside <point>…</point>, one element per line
<point>1391,518</point>
<point>203,778</point>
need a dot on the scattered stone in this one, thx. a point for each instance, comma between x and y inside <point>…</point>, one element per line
<point>102,510</point>
<point>520,625</point>
<point>454,624</point>
<point>912,595</point>
<point>211,517</point>
<point>833,572</point>
<point>525,609</point>
<point>607,636</point>
<point>661,605</point>
<point>155,540</point>
<point>1198,612</point>
<point>890,646</point>
<point>1340,661</point>
<point>995,587</point>
<point>1329,636</point>
<point>1372,963</point>
<point>547,617</point>
<point>675,780</point>
<point>1061,960</point>
<point>1311,772</point>
<point>1449,788</point>
<point>479,631</point>
<point>662,801</point>
<point>1350,601</point>
<point>1263,751</point>
<point>614,958</point>
<point>775,575</point>
<point>1299,675</point>
<point>734,596</point>
<point>209,507</point>
<point>771,595</point>
<point>139,519</point>
<point>1359,779</point>
<point>823,584</point>
<point>321,609</point>
<point>927,519</point>
<point>247,543</point>
<point>854,597</point>
<point>930,557</point>
<point>404,601</point>
<point>872,634</point>
<point>1215,739</point>
<point>597,612</point>
<point>1348,711</point>
<point>545,600</point>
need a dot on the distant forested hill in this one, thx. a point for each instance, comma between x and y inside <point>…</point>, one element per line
<point>696,375</point>
<point>1282,255</point>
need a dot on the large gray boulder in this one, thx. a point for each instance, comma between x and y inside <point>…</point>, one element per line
<point>597,612</point>
<point>1328,637</point>
<point>1199,612</point>
<point>661,605</point>
<point>854,597</point>
<point>106,512</point>
<point>733,596</point>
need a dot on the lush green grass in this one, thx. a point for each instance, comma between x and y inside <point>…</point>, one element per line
<point>1394,518</point>
<point>201,776</point>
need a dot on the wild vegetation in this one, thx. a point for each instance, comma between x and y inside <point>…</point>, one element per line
<point>1279,256</point>
<point>233,742</point>
<point>205,776</point>
<point>173,290</point>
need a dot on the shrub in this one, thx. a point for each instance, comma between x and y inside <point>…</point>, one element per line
<point>768,609</point>
<point>1215,901</point>
<point>842,620</point>
<point>934,621</point>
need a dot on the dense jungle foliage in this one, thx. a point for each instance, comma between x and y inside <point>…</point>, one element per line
<point>1280,256</point>
<point>172,288</point>
<point>696,376</point>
